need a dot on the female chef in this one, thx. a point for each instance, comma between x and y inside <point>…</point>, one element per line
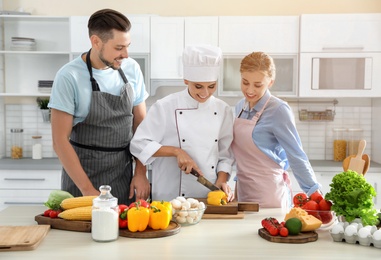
<point>266,141</point>
<point>190,129</point>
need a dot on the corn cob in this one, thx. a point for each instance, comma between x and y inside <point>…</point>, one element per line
<point>71,203</point>
<point>79,213</point>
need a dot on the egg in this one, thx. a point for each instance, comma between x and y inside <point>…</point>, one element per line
<point>336,229</point>
<point>364,232</point>
<point>377,235</point>
<point>350,230</point>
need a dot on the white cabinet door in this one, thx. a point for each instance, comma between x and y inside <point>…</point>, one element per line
<point>167,43</point>
<point>340,32</point>
<point>374,180</point>
<point>140,33</point>
<point>271,34</point>
<point>201,30</point>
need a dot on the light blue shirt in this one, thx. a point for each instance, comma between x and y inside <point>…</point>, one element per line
<point>276,136</point>
<point>72,90</point>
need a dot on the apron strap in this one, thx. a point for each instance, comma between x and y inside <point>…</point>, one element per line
<point>94,83</point>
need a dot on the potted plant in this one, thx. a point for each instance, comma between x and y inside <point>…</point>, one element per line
<point>45,111</point>
<point>352,197</point>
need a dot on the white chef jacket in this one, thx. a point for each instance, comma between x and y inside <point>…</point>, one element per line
<point>203,130</point>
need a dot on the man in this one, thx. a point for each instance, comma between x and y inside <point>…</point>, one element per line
<point>97,102</point>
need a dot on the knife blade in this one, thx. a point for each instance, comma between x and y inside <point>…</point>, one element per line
<point>203,181</point>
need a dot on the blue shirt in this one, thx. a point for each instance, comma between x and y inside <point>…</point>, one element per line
<point>72,90</point>
<point>276,136</point>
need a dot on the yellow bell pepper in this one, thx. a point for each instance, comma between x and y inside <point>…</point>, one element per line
<point>138,218</point>
<point>160,214</point>
<point>217,197</point>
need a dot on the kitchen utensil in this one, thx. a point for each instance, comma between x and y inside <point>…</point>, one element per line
<point>303,237</point>
<point>365,157</point>
<point>17,238</point>
<point>203,181</point>
<point>171,230</point>
<point>357,163</point>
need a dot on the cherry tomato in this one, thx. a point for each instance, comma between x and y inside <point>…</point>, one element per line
<point>300,199</point>
<point>316,196</point>
<point>325,204</point>
<point>141,203</point>
<point>53,214</point>
<point>283,232</point>
<point>47,212</point>
<point>311,205</point>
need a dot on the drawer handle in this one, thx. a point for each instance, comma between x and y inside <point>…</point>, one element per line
<point>19,203</point>
<point>24,179</point>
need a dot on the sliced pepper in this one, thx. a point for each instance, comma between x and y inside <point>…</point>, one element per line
<point>160,214</point>
<point>138,218</point>
<point>217,197</point>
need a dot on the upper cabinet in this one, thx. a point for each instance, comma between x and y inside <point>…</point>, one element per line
<point>271,34</point>
<point>340,55</point>
<point>140,34</point>
<point>33,49</point>
<point>169,36</point>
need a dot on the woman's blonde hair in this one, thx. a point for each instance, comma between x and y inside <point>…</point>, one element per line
<point>258,61</point>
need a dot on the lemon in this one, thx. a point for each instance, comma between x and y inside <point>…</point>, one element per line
<point>294,226</point>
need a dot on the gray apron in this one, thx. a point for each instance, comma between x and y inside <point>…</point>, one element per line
<point>102,141</point>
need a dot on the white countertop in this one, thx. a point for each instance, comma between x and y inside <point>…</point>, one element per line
<point>210,239</point>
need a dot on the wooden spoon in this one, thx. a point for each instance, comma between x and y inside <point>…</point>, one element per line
<point>365,157</point>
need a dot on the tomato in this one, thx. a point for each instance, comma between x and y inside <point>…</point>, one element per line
<point>316,196</point>
<point>325,204</point>
<point>325,216</point>
<point>53,214</point>
<point>47,212</point>
<point>283,232</point>
<point>311,205</point>
<point>300,199</point>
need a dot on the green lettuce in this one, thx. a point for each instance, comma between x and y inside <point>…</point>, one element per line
<point>352,197</point>
<point>56,197</point>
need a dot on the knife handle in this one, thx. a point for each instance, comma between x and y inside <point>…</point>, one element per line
<point>195,173</point>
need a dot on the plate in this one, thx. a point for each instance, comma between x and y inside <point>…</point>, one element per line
<point>172,229</point>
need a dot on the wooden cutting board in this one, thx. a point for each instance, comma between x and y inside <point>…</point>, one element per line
<point>239,215</point>
<point>231,208</point>
<point>17,238</point>
<point>171,230</point>
<point>303,237</point>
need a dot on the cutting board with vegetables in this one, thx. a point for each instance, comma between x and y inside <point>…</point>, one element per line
<point>230,208</point>
<point>303,237</point>
<point>59,223</point>
<point>172,229</point>
<point>18,238</point>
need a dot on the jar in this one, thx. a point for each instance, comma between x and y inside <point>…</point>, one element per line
<point>354,137</point>
<point>339,144</point>
<point>16,143</point>
<point>36,147</point>
<point>105,214</point>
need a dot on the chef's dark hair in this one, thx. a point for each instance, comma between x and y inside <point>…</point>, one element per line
<point>102,22</point>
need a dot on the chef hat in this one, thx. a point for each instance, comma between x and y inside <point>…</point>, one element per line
<point>201,63</point>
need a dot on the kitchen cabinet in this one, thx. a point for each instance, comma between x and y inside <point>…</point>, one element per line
<point>24,187</point>
<point>169,36</point>
<point>374,179</point>
<point>340,55</point>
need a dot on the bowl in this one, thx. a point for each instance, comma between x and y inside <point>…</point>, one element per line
<point>327,217</point>
<point>188,217</point>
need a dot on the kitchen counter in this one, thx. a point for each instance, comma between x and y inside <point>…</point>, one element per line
<point>210,239</point>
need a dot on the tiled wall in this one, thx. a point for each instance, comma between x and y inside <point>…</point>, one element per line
<point>317,137</point>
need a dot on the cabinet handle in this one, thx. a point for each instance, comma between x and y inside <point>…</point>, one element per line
<point>346,48</point>
<point>24,179</point>
<point>375,188</point>
<point>20,203</point>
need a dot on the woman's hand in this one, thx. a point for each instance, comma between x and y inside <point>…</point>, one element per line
<point>226,188</point>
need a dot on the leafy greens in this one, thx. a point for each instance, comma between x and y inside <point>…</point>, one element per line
<point>352,197</point>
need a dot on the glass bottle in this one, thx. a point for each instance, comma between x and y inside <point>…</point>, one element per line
<point>354,137</point>
<point>36,147</point>
<point>339,144</point>
<point>16,143</point>
<point>105,214</point>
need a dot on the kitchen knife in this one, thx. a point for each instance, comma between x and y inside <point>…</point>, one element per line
<point>203,181</point>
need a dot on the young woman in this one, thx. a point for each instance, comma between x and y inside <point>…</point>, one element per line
<point>266,141</point>
<point>190,129</point>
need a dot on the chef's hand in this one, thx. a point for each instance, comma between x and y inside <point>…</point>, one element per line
<point>185,162</point>
<point>139,184</point>
<point>226,188</point>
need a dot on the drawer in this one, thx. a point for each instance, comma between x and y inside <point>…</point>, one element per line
<point>26,197</point>
<point>32,180</point>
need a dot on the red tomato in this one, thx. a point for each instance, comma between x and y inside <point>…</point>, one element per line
<point>316,196</point>
<point>300,199</point>
<point>325,204</point>
<point>283,232</point>
<point>311,205</point>
<point>325,216</point>
<point>47,212</point>
<point>53,214</point>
